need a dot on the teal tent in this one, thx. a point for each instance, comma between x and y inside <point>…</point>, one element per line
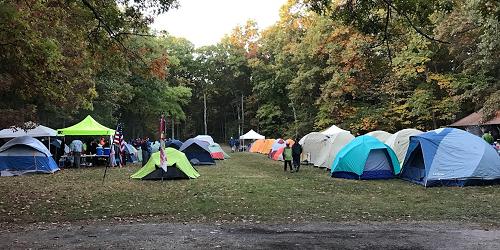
<point>365,157</point>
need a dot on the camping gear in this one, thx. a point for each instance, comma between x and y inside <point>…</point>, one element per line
<point>217,152</point>
<point>450,157</point>
<point>205,138</point>
<point>87,126</point>
<point>380,135</point>
<point>333,130</point>
<point>365,157</point>
<point>99,151</point>
<point>25,154</point>
<point>178,167</point>
<point>278,143</point>
<point>197,152</point>
<point>173,144</point>
<point>400,141</point>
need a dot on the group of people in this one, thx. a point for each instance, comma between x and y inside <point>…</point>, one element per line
<point>292,154</point>
<point>234,144</point>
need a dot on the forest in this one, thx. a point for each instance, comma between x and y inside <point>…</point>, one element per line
<point>361,65</point>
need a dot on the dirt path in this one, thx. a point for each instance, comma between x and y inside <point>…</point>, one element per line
<point>230,236</point>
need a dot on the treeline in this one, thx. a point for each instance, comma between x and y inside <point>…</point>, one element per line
<point>362,65</point>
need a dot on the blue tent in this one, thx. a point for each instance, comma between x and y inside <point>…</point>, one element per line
<point>450,157</point>
<point>365,157</point>
<point>173,144</point>
<point>197,152</point>
<point>25,154</point>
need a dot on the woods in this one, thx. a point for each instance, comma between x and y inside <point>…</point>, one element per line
<point>362,65</point>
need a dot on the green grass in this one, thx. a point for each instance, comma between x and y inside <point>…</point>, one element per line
<point>248,187</point>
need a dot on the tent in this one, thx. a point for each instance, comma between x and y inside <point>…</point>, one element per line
<point>205,138</point>
<point>380,135</point>
<point>365,157</point>
<point>197,152</point>
<point>38,131</point>
<point>257,146</point>
<point>252,135</point>
<point>320,149</point>
<point>178,167</point>
<point>399,142</point>
<point>450,157</point>
<point>173,144</point>
<point>25,155</point>
<point>278,143</point>
<point>131,153</point>
<point>155,146</point>
<point>87,126</point>
<point>333,130</point>
<point>217,153</point>
<point>268,145</point>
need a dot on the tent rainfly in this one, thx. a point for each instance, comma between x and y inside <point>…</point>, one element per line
<point>87,126</point>
<point>252,135</point>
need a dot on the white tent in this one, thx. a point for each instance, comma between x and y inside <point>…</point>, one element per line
<point>380,135</point>
<point>320,149</point>
<point>252,135</point>
<point>333,130</point>
<point>205,138</point>
<point>400,141</point>
<point>39,131</point>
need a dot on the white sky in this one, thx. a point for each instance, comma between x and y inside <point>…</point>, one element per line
<point>205,22</point>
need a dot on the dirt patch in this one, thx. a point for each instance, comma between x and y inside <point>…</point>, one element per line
<point>425,235</point>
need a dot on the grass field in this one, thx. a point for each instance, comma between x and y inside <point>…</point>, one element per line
<point>248,187</point>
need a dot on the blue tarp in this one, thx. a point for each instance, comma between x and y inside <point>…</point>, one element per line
<point>450,156</point>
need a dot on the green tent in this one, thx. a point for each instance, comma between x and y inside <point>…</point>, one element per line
<point>87,126</point>
<point>178,167</point>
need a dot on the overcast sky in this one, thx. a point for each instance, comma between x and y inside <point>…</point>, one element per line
<point>205,22</point>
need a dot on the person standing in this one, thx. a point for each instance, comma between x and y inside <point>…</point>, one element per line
<point>287,157</point>
<point>144,150</point>
<point>232,144</point>
<point>76,148</point>
<point>296,152</point>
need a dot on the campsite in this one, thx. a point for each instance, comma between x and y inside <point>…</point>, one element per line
<point>237,124</point>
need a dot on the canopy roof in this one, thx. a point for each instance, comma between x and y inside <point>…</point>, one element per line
<point>87,126</point>
<point>476,118</point>
<point>252,135</point>
<point>39,131</point>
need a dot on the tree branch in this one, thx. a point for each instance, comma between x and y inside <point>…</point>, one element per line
<point>409,21</point>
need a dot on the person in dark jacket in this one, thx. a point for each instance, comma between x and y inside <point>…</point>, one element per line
<point>296,152</point>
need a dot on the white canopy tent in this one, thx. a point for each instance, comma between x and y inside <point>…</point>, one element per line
<point>39,131</point>
<point>252,135</point>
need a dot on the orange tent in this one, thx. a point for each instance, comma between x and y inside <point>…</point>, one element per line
<point>290,142</point>
<point>268,145</point>
<point>257,146</point>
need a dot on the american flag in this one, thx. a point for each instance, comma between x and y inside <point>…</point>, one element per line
<point>118,138</point>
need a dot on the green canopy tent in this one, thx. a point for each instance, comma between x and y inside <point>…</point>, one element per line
<point>178,167</point>
<point>87,126</point>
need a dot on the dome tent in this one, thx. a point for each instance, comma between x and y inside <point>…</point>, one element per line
<point>217,152</point>
<point>25,154</point>
<point>380,135</point>
<point>365,157</point>
<point>178,167</point>
<point>450,157</point>
<point>400,141</point>
<point>173,144</point>
<point>197,152</point>
<point>205,138</point>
